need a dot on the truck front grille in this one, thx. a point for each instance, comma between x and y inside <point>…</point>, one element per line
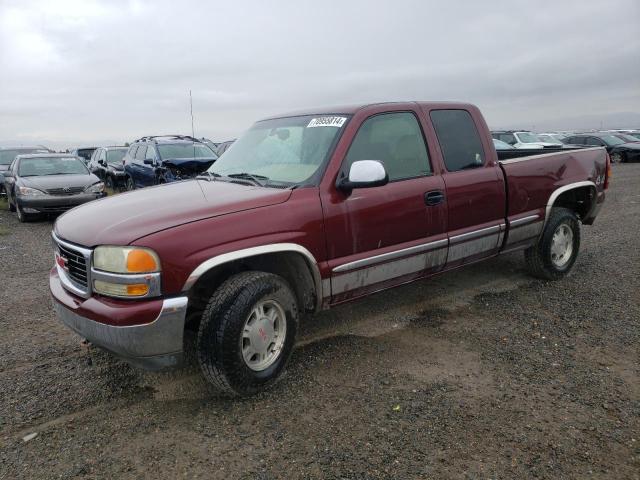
<point>76,265</point>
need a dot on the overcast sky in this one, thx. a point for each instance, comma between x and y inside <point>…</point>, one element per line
<point>77,72</point>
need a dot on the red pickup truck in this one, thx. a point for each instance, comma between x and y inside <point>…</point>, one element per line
<point>303,212</point>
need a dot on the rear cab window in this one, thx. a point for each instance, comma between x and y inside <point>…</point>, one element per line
<point>458,138</point>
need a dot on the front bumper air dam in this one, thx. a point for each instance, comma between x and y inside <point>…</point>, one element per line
<point>153,346</point>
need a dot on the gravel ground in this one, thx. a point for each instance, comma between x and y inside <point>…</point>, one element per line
<point>479,373</point>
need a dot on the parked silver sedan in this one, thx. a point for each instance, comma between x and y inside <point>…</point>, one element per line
<point>49,183</point>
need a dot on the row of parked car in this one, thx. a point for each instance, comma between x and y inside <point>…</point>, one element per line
<point>622,145</point>
<point>38,181</point>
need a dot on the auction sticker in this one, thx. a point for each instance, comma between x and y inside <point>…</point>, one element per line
<point>327,122</point>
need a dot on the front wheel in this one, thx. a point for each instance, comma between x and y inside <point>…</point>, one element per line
<point>557,249</point>
<point>22,217</point>
<point>130,184</point>
<point>109,183</point>
<point>247,333</point>
<point>617,158</point>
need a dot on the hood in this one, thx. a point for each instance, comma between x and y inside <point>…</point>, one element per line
<point>47,182</point>
<point>116,166</point>
<point>629,146</point>
<point>190,165</point>
<point>123,218</point>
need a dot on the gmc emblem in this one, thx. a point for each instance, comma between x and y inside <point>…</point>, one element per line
<point>61,261</point>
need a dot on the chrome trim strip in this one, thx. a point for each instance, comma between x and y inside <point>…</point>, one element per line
<point>543,155</point>
<point>523,220</point>
<point>475,234</point>
<point>365,262</point>
<point>151,279</point>
<point>559,191</point>
<point>378,273</point>
<point>66,280</point>
<point>260,250</point>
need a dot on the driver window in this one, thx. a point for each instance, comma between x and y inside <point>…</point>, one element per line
<point>396,140</point>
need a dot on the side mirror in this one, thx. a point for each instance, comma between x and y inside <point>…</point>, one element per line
<point>102,162</point>
<point>365,174</point>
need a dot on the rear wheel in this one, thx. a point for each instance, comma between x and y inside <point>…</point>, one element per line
<point>247,333</point>
<point>557,249</point>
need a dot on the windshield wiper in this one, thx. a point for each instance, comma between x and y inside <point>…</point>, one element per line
<point>259,180</point>
<point>208,176</point>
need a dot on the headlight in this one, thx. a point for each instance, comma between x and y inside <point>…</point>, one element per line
<point>29,192</point>
<point>126,260</point>
<point>126,272</point>
<point>95,188</point>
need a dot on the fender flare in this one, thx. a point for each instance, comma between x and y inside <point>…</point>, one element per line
<point>221,259</point>
<point>559,191</point>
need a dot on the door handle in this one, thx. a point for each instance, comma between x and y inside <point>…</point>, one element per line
<point>434,197</point>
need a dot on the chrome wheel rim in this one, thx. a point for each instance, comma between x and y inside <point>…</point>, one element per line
<point>263,335</point>
<point>616,158</point>
<point>561,245</point>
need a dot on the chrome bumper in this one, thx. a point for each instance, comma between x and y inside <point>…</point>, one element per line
<point>151,346</point>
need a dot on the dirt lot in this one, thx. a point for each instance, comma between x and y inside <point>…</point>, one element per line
<point>481,373</point>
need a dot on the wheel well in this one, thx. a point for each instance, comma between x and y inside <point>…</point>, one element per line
<point>579,199</point>
<point>291,266</point>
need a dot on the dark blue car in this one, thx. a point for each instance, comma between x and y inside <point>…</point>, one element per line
<point>162,159</point>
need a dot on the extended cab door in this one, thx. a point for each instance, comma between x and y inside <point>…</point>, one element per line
<point>474,185</point>
<point>382,236</point>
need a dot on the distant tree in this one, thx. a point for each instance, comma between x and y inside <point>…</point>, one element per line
<point>126,144</point>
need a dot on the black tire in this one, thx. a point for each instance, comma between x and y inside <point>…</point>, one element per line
<point>129,184</point>
<point>12,207</point>
<point>220,336</point>
<point>22,217</point>
<point>617,157</point>
<point>539,257</point>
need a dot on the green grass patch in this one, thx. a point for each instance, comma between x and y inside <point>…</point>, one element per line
<point>3,203</point>
<point>3,230</point>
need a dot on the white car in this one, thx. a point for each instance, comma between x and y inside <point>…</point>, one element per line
<point>523,140</point>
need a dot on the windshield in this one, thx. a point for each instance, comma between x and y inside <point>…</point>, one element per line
<point>32,167</point>
<point>7,156</point>
<point>284,150</point>
<point>526,137</point>
<point>116,155</point>
<point>549,139</point>
<point>626,138</point>
<point>185,150</point>
<point>500,145</point>
<point>610,140</point>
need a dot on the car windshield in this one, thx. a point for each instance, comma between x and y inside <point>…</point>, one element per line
<point>526,137</point>
<point>86,152</point>
<point>548,139</point>
<point>611,140</point>
<point>287,150</point>
<point>7,156</point>
<point>500,145</point>
<point>116,155</point>
<point>185,150</point>
<point>626,138</point>
<point>32,167</point>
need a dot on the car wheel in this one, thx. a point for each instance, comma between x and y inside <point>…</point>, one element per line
<point>247,332</point>
<point>557,249</point>
<point>22,217</point>
<point>617,157</point>
<point>130,184</point>
<point>12,207</point>
<point>109,183</point>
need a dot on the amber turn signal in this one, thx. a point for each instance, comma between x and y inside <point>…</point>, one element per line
<point>140,261</point>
